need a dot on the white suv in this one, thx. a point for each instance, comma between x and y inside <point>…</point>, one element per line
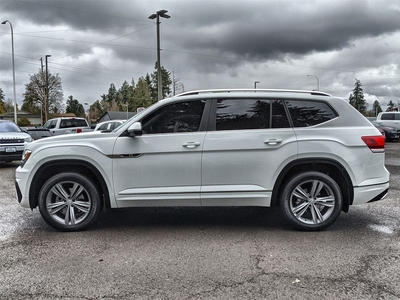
<point>310,153</point>
<point>12,141</point>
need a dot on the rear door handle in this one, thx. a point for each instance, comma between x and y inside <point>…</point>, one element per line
<point>191,144</point>
<point>273,142</point>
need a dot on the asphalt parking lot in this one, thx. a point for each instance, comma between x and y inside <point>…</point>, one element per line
<point>202,253</point>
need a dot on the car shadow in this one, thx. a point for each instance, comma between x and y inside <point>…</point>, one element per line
<point>199,217</point>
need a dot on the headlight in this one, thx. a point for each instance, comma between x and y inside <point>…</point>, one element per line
<point>29,139</point>
<point>25,156</point>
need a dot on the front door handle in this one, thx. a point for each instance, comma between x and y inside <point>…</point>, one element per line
<point>191,144</point>
<point>273,142</point>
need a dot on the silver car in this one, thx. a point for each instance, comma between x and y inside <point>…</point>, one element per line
<point>12,141</point>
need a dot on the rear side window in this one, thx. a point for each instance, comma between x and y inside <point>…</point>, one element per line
<point>390,116</point>
<point>241,114</point>
<point>387,117</point>
<point>309,113</point>
<point>68,123</point>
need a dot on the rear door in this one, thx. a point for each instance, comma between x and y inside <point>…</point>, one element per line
<point>251,141</point>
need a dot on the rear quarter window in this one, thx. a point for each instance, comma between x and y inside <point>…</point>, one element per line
<point>309,113</point>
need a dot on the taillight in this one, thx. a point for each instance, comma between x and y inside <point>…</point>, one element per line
<point>78,130</point>
<point>375,142</point>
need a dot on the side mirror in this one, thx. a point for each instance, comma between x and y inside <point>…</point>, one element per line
<point>135,129</point>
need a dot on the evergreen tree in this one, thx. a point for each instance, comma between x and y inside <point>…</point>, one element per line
<point>166,83</point>
<point>390,106</point>
<point>125,95</point>
<point>2,110</point>
<point>141,95</point>
<point>376,108</point>
<point>356,99</point>
<point>152,88</point>
<point>73,106</point>
<point>112,93</point>
<point>97,109</point>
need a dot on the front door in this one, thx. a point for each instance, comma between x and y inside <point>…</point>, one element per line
<point>163,166</point>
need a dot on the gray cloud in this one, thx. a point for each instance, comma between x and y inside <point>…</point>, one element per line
<point>217,43</point>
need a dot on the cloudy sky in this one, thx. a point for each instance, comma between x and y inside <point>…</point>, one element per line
<point>206,44</point>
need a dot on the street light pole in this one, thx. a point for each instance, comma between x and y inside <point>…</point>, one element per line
<point>127,105</point>
<point>86,114</point>
<point>317,81</point>
<point>13,67</point>
<point>46,103</point>
<point>157,15</point>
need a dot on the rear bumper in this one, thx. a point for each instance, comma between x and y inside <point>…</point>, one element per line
<point>370,193</point>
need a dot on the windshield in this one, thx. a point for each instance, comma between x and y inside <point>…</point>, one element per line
<point>9,127</point>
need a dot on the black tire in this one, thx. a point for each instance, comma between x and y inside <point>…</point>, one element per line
<point>69,202</point>
<point>311,201</point>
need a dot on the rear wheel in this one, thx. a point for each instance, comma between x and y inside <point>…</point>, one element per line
<point>311,201</point>
<point>69,202</point>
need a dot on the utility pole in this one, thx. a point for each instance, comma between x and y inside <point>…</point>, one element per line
<point>42,109</point>
<point>46,106</point>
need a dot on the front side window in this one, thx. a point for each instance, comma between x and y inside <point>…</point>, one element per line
<point>309,113</point>
<point>241,114</point>
<point>175,117</point>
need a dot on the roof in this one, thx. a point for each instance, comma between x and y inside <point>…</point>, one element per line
<point>116,115</point>
<point>315,93</point>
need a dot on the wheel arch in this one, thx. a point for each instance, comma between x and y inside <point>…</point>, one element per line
<point>51,168</point>
<point>327,166</point>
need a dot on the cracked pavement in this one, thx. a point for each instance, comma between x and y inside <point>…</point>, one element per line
<point>202,253</point>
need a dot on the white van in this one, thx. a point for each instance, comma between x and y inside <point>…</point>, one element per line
<point>389,118</point>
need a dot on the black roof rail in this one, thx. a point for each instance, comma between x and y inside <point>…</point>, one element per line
<point>197,92</point>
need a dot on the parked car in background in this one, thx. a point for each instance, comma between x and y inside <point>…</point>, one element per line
<point>391,133</point>
<point>38,133</point>
<point>12,141</point>
<point>109,125</point>
<point>290,149</point>
<point>389,118</point>
<point>58,126</point>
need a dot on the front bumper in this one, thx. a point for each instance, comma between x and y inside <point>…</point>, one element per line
<point>19,194</point>
<point>10,156</point>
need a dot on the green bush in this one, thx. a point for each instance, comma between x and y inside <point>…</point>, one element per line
<point>23,122</point>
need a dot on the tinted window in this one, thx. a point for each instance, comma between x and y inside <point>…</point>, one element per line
<point>236,114</point>
<point>309,113</point>
<point>387,117</point>
<point>67,123</point>
<point>176,117</point>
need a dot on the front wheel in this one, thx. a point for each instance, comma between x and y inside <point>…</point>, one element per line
<point>69,202</point>
<point>311,201</point>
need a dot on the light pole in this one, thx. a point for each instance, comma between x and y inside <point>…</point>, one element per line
<point>255,84</point>
<point>13,67</point>
<point>87,115</point>
<point>157,15</point>
<point>46,103</point>
<point>127,105</point>
<point>317,81</point>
